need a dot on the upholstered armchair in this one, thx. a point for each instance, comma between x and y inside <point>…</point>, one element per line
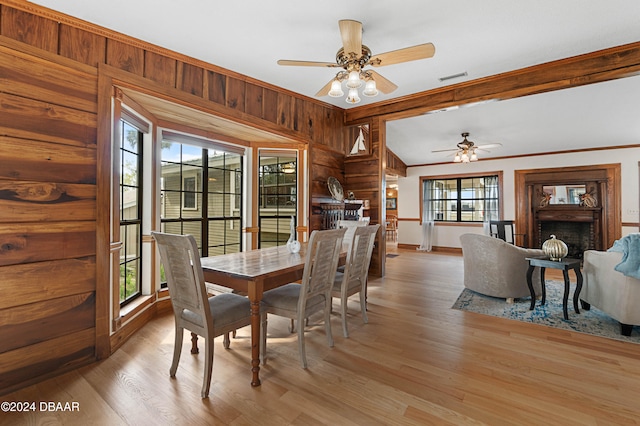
<point>496,268</point>
<point>614,293</point>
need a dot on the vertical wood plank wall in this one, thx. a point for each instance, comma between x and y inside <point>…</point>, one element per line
<point>358,172</point>
<point>48,180</point>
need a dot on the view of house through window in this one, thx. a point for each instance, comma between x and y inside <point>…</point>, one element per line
<point>462,199</point>
<point>278,177</point>
<point>201,195</point>
<point>130,212</point>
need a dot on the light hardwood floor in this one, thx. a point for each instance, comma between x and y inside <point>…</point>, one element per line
<point>417,362</point>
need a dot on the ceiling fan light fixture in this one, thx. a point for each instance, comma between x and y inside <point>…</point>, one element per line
<point>354,82</point>
<point>289,168</point>
<point>474,156</point>
<point>457,158</point>
<point>370,88</point>
<point>336,89</point>
<point>353,57</point>
<point>353,97</point>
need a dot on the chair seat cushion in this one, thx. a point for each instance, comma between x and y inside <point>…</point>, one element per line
<point>286,297</point>
<point>227,308</point>
<point>354,284</point>
<point>337,281</point>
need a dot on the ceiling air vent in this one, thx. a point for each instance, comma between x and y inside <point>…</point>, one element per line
<point>452,76</point>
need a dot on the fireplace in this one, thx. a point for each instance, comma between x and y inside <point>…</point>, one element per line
<point>578,236</point>
<point>577,226</point>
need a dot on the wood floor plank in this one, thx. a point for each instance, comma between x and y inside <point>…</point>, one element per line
<point>416,362</point>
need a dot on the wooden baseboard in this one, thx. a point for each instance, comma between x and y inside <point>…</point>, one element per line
<point>439,249</point>
<point>128,329</point>
<point>147,313</point>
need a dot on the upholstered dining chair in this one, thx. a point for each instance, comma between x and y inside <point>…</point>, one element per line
<point>313,294</point>
<point>193,310</point>
<point>354,278</point>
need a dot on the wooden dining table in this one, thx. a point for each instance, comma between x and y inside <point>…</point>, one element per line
<point>254,272</point>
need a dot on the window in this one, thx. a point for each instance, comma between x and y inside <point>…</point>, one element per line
<point>130,212</point>
<point>201,193</point>
<point>462,199</point>
<point>278,196</point>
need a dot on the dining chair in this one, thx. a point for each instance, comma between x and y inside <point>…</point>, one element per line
<point>193,310</point>
<point>392,227</point>
<point>503,229</point>
<point>300,301</point>
<point>350,226</point>
<point>354,278</point>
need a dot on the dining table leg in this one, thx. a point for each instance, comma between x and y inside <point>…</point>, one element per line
<point>255,296</point>
<point>255,343</point>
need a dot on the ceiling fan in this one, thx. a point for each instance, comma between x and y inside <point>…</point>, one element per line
<point>466,149</point>
<point>354,56</point>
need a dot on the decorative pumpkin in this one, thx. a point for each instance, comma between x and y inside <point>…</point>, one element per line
<point>555,249</point>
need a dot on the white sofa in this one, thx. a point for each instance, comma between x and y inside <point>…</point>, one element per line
<point>612,292</point>
<point>496,268</point>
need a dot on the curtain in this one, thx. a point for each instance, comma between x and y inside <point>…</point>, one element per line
<point>427,216</point>
<point>491,211</point>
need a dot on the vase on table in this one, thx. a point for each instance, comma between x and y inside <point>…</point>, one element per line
<point>293,244</point>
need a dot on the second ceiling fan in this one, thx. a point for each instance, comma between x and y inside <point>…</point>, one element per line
<point>466,149</point>
<point>354,56</point>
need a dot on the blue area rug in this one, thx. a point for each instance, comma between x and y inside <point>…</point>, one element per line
<point>593,321</point>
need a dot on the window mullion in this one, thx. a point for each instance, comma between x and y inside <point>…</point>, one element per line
<point>204,224</point>
<point>459,200</point>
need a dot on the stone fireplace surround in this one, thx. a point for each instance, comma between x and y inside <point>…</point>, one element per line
<point>581,227</point>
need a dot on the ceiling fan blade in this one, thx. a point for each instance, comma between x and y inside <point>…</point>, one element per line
<point>421,51</point>
<point>445,150</point>
<point>351,33</point>
<point>489,146</point>
<point>307,63</point>
<point>325,89</point>
<point>383,85</point>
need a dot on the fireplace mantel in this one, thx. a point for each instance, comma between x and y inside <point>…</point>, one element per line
<point>568,213</point>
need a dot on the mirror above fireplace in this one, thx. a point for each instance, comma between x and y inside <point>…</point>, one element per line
<point>564,194</point>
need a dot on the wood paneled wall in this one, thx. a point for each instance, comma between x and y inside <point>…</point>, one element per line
<point>47,213</point>
<point>362,175</point>
<point>50,275</point>
<point>395,166</point>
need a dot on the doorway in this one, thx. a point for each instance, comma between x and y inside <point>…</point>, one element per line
<point>391,220</point>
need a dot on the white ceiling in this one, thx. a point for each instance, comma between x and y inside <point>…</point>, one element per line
<point>481,38</point>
